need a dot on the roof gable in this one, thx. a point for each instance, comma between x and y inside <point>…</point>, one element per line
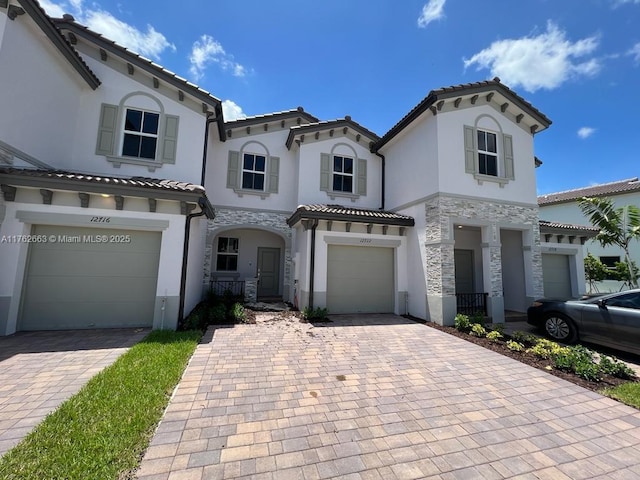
<point>488,91</point>
<point>340,126</point>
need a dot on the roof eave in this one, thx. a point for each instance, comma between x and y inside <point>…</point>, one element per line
<point>246,122</point>
<point>307,215</point>
<point>304,129</point>
<point>48,27</point>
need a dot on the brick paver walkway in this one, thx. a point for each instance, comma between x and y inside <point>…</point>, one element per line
<point>40,370</point>
<point>380,397</point>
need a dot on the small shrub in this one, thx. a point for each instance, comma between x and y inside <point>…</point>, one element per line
<point>613,366</point>
<point>524,338</point>
<point>238,313</point>
<point>314,314</point>
<point>461,322</point>
<point>515,346</point>
<point>197,319</point>
<point>217,314</point>
<point>545,348</point>
<point>477,330</point>
<point>497,327</point>
<point>478,318</point>
<point>213,298</point>
<point>494,335</point>
<point>588,370</point>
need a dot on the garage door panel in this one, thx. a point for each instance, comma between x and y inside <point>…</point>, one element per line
<point>360,279</point>
<point>556,276</point>
<point>81,284</point>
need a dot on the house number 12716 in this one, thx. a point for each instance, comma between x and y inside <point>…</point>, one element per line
<point>100,219</point>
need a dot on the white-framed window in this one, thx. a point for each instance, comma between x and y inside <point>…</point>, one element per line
<point>140,136</point>
<point>253,171</point>
<point>610,262</point>
<point>227,254</point>
<point>487,153</point>
<point>342,174</point>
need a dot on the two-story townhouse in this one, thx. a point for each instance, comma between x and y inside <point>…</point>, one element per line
<point>93,234</point>
<point>438,213</point>
<point>563,207</point>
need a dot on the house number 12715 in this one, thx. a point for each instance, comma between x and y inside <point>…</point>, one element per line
<point>100,219</point>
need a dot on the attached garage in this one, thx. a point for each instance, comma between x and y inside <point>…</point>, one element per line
<point>557,276</point>
<point>90,278</point>
<point>360,279</point>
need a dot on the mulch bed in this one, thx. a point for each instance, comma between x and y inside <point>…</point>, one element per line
<point>532,360</point>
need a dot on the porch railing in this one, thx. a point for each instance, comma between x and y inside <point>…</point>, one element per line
<point>471,303</point>
<point>234,288</point>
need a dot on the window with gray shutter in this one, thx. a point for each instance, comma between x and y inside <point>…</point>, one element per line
<point>170,140</point>
<point>233,169</point>
<point>107,129</point>
<point>274,171</point>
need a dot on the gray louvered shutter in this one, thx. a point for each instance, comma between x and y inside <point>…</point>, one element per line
<point>107,129</point>
<point>362,177</point>
<point>325,172</point>
<point>507,141</point>
<point>170,139</point>
<point>274,171</point>
<point>470,163</point>
<point>232,170</point>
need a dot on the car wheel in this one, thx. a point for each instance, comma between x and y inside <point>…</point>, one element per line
<point>560,328</point>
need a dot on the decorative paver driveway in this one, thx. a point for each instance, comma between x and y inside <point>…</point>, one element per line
<point>381,397</point>
<point>40,370</point>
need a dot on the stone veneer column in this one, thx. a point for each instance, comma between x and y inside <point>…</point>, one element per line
<point>492,276</point>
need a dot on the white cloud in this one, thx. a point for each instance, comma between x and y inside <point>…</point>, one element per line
<point>231,111</point>
<point>149,43</point>
<point>543,61</point>
<point>617,3</point>
<point>433,10</point>
<point>586,132</point>
<point>635,52</point>
<point>207,50</point>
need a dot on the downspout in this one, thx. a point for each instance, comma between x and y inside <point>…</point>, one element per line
<point>383,178</point>
<point>209,121</point>
<point>312,261</point>
<point>185,254</point>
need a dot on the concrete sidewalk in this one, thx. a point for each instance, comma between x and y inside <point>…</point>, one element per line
<point>379,397</point>
<point>40,370</point>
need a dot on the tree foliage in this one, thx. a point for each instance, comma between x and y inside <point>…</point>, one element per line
<point>619,226</point>
<point>594,271</point>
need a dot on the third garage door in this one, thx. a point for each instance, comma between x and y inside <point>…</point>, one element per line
<point>556,276</point>
<point>360,279</point>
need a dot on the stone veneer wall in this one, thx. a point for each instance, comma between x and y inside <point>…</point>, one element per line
<point>440,239</point>
<point>269,221</point>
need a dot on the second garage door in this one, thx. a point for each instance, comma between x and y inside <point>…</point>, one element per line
<point>557,276</point>
<point>72,281</point>
<point>360,279</point>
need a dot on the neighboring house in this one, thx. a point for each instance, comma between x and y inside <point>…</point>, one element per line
<point>92,234</point>
<point>563,207</point>
<point>439,212</point>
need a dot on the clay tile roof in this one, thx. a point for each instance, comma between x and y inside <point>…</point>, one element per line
<point>348,214</point>
<point>270,117</point>
<point>329,124</point>
<point>68,23</point>
<point>436,95</point>
<point>602,190</point>
<point>12,175</point>
<point>546,226</point>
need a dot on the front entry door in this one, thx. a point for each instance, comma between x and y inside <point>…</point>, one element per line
<point>268,271</point>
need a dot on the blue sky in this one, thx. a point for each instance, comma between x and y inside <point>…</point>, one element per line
<point>578,61</point>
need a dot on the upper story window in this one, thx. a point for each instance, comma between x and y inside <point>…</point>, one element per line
<point>253,171</point>
<point>140,134</point>
<point>487,153</point>
<point>342,174</point>
<point>227,254</point>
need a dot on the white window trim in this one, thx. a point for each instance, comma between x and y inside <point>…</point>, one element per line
<point>258,172</point>
<point>236,254</point>
<point>124,132</point>
<point>502,179</point>
<point>343,174</point>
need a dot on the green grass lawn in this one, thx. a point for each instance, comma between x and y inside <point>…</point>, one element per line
<point>102,431</point>
<point>628,393</point>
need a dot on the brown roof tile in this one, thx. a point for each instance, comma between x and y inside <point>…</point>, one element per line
<point>464,89</point>
<point>602,190</point>
<point>547,226</point>
<point>270,117</point>
<point>348,214</point>
<point>327,125</point>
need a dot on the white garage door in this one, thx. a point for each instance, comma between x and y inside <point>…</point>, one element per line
<point>557,276</point>
<point>81,281</point>
<point>360,279</point>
